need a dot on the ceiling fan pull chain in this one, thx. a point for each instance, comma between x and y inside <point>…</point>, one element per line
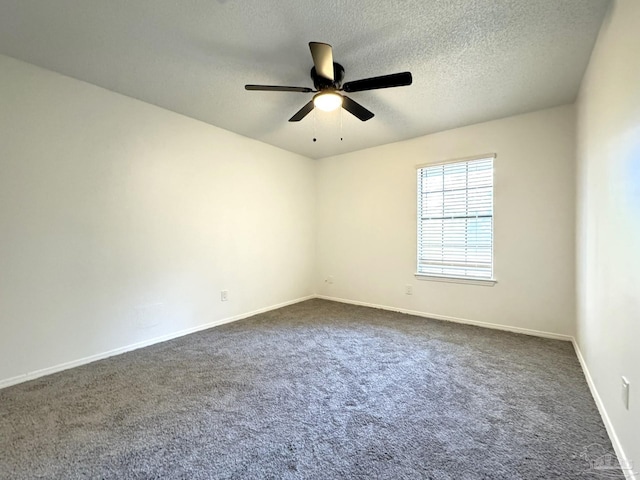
<point>314,125</point>
<point>341,124</point>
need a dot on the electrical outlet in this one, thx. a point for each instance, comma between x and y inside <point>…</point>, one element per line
<point>149,315</point>
<point>408,289</point>
<point>224,295</point>
<point>625,393</point>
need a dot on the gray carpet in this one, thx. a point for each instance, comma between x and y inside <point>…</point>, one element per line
<point>317,390</point>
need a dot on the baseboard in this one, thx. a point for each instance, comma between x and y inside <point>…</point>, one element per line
<point>622,458</point>
<point>477,323</point>
<point>145,343</point>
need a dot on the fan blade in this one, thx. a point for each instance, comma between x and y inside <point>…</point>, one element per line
<point>356,109</point>
<point>322,54</point>
<point>385,81</point>
<point>303,112</point>
<point>276,88</point>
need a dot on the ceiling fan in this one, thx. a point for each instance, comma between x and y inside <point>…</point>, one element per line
<point>327,78</point>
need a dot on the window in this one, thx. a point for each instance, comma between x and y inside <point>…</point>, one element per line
<point>455,219</point>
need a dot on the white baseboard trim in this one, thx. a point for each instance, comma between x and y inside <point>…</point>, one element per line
<point>495,326</point>
<point>626,465</point>
<point>145,343</point>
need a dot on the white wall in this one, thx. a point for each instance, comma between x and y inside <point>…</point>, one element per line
<point>110,206</point>
<point>367,223</point>
<point>609,219</point>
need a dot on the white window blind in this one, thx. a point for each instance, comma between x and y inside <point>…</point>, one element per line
<point>455,219</point>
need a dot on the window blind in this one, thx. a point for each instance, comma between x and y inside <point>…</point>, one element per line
<point>455,219</point>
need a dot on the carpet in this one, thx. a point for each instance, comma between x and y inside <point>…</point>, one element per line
<point>316,390</point>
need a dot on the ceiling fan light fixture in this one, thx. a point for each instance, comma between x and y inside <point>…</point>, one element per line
<point>327,101</point>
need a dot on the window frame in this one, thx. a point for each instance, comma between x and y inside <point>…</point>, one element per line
<point>453,278</point>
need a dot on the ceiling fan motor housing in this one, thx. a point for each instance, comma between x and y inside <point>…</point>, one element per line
<point>322,83</point>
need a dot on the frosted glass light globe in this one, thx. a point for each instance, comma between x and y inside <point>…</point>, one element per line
<point>327,101</point>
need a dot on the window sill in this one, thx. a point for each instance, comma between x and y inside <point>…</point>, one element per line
<point>485,282</point>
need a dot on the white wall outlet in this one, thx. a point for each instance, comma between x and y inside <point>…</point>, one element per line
<point>625,393</point>
<point>224,295</point>
<point>408,289</point>
<point>149,315</point>
<point>329,280</point>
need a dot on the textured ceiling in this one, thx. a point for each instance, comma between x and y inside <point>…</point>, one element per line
<point>472,60</point>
